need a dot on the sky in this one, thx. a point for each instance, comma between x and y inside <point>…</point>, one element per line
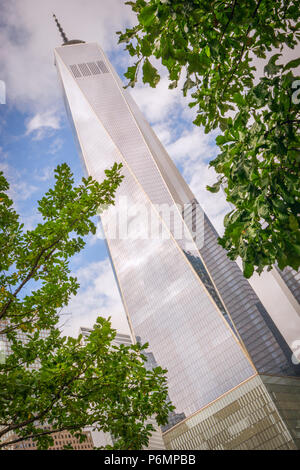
<point>35,135</point>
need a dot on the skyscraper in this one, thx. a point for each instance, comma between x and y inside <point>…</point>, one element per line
<point>181,294</point>
<point>61,439</point>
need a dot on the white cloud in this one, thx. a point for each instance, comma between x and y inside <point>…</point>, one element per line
<point>162,105</point>
<point>20,190</point>
<point>44,174</point>
<point>157,104</point>
<point>31,220</point>
<point>191,146</point>
<point>28,36</point>
<point>163,132</point>
<point>3,154</point>
<point>98,296</point>
<point>55,146</point>
<point>40,125</point>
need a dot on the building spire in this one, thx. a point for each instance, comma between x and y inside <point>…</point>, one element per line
<point>63,35</point>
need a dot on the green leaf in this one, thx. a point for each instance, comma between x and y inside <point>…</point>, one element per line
<point>239,99</point>
<point>248,270</point>
<point>146,48</point>
<point>187,85</point>
<point>293,223</point>
<point>215,187</point>
<point>150,74</point>
<point>147,15</point>
<point>271,68</point>
<point>223,124</point>
<point>221,139</point>
<point>292,64</point>
<point>131,74</point>
<point>173,85</point>
<point>198,63</point>
<point>207,50</point>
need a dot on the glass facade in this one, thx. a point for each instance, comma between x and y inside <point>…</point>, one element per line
<point>264,343</point>
<point>176,299</point>
<point>262,413</point>
<point>292,280</point>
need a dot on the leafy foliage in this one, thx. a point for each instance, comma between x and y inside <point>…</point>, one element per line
<point>213,43</point>
<point>62,382</point>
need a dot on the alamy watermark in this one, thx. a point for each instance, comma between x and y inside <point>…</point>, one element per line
<point>131,221</point>
<point>296,351</point>
<point>2,92</point>
<point>2,351</point>
<point>296,93</point>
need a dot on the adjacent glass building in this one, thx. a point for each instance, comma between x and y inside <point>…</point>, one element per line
<point>203,321</point>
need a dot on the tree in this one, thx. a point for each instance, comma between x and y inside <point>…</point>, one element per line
<point>53,383</point>
<point>213,43</point>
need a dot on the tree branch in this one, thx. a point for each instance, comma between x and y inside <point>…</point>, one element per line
<point>32,436</point>
<point>43,413</point>
<point>229,19</point>
<point>243,48</point>
<point>36,263</point>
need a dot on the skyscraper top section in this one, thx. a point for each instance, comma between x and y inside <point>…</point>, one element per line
<point>64,37</point>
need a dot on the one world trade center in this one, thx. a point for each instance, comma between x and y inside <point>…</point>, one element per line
<point>181,294</point>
